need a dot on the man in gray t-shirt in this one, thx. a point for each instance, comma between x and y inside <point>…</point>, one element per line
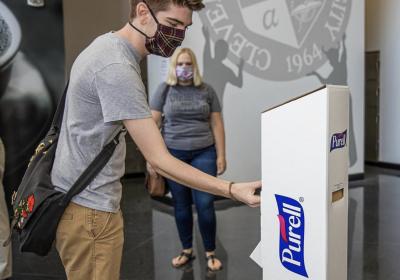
<point>105,89</point>
<point>106,92</point>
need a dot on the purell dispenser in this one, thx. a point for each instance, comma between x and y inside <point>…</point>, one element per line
<point>305,187</point>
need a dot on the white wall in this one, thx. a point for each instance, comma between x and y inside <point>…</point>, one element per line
<point>389,150</point>
<point>262,90</point>
<point>383,22</point>
<point>373,24</point>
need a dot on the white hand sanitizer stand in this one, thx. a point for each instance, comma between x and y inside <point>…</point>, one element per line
<point>305,187</point>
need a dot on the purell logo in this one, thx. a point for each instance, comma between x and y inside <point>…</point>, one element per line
<point>339,140</point>
<point>291,248</point>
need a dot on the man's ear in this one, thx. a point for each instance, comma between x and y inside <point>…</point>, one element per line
<point>142,13</point>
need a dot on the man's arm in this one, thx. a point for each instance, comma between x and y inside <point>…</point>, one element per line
<point>147,137</point>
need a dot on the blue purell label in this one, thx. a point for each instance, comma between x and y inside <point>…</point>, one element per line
<point>339,140</point>
<point>291,244</point>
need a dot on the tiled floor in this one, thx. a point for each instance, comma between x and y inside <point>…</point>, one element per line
<point>151,237</point>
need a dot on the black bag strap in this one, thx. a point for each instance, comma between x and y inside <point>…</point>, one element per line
<point>165,92</point>
<point>93,169</point>
<point>58,116</point>
<point>95,166</point>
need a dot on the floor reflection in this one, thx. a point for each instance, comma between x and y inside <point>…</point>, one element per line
<point>235,242</point>
<point>151,238</point>
<point>374,226</point>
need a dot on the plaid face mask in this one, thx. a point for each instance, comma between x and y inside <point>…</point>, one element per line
<point>165,40</point>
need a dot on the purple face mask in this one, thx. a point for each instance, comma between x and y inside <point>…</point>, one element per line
<point>184,73</point>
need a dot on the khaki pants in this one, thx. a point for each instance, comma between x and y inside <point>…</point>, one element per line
<point>90,243</point>
<point>5,252</point>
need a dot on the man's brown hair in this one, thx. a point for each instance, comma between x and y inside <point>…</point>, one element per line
<point>162,5</point>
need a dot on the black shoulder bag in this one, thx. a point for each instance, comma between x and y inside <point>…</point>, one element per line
<point>37,206</point>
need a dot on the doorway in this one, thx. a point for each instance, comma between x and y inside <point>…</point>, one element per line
<point>372,96</point>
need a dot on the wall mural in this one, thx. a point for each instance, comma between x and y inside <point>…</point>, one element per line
<point>31,78</point>
<point>216,72</point>
<point>276,40</point>
<point>280,40</point>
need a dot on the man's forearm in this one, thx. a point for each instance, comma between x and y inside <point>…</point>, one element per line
<point>174,169</point>
<point>149,140</point>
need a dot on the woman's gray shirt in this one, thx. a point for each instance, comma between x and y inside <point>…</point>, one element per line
<point>186,115</point>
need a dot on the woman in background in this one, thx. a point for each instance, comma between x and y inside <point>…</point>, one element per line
<point>189,114</point>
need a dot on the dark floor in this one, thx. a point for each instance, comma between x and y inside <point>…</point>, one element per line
<point>151,237</point>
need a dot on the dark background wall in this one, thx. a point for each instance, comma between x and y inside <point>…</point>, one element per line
<point>43,39</point>
<point>37,80</point>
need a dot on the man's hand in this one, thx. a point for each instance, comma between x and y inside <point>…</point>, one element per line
<point>245,192</point>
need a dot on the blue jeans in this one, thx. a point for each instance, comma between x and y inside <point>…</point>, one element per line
<point>204,160</point>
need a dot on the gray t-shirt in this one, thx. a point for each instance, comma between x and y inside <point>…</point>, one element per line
<point>186,110</point>
<point>105,88</point>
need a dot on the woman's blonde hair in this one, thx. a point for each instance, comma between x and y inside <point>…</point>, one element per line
<point>172,80</point>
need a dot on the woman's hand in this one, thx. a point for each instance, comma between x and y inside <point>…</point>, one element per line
<point>221,165</point>
<point>246,193</point>
<point>151,170</point>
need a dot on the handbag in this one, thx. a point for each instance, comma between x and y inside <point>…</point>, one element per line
<point>37,205</point>
<point>156,185</point>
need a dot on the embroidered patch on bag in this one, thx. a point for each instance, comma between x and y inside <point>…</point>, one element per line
<point>25,207</point>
